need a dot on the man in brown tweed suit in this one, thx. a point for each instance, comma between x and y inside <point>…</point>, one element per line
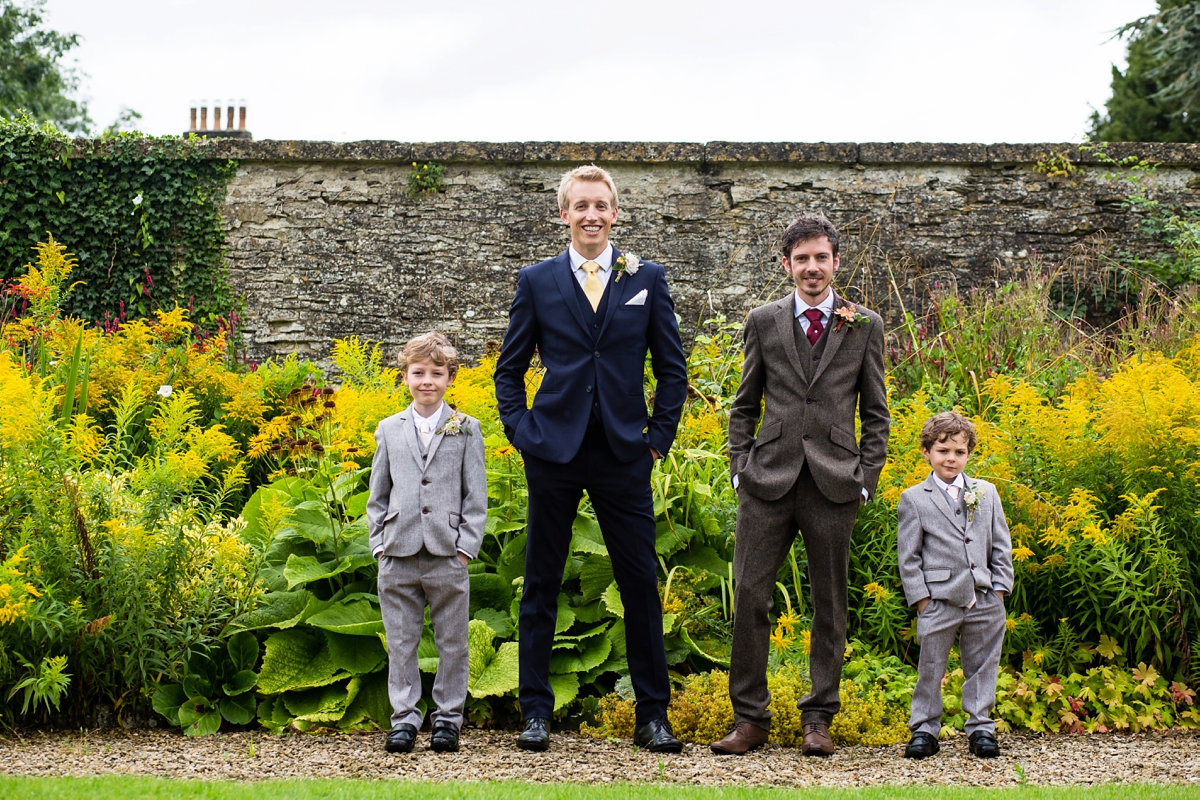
<point>812,360</point>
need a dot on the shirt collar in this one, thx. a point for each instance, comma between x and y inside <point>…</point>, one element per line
<point>825,306</point>
<point>419,418</point>
<point>959,481</point>
<point>605,258</point>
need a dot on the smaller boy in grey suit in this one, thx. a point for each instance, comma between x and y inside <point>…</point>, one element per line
<point>426,512</point>
<point>956,567</point>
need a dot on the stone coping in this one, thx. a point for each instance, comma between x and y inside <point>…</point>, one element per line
<point>866,153</point>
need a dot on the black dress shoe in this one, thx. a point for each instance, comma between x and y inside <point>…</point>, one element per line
<point>400,739</point>
<point>922,745</point>
<point>657,737</point>
<point>983,744</point>
<point>536,735</point>
<point>445,737</point>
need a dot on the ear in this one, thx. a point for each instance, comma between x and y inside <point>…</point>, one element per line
<point>837,262</point>
<point>787,264</point>
<point>562,214</point>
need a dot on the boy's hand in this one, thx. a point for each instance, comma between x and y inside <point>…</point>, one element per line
<point>463,558</point>
<point>924,601</point>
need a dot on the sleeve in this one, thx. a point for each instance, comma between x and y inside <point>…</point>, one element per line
<point>1001,555</point>
<point>908,547</point>
<point>873,409</point>
<point>520,340</point>
<point>747,403</point>
<point>380,486</point>
<point>474,494</point>
<point>669,365</point>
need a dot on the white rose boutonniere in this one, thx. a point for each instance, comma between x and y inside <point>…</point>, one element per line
<point>628,262</point>
<point>971,500</point>
<point>454,426</point>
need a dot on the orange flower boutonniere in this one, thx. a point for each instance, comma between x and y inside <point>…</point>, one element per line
<point>850,314</point>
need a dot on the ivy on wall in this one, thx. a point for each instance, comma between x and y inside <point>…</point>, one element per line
<point>141,213</point>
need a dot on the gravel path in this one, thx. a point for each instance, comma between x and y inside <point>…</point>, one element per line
<point>1054,759</point>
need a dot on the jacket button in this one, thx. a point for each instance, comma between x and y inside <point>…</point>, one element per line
<point>597,354</point>
<point>589,388</point>
<point>806,437</point>
<point>426,511</point>
<point>808,400</point>
<point>972,565</point>
<point>967,541</point>
<point>425,482</point>
<point>957,511</point>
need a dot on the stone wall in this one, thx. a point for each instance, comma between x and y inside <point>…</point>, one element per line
<point>324,241</point>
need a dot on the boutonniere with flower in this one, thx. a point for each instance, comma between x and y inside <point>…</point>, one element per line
<point>454,426</point>
<point>971,500</point>
<point>628,262</point>
<point>849,314</point>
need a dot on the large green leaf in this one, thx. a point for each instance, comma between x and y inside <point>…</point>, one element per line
<point>275,610</point>
<point>240,683</point>
<point>586,536</point>
<point>325,704</point>
<point>703,557</point>
<point>427,654</point>
<point>489,590</point>
<point>357,655</point>
<point>594,654</point>
<point>238,710</point>
<point>167,700</point>
<point>716,652</point>
<point>594,578</point>
<point>273,714</point>
<point>300,570</point>
<point>243,651</point>
<point>499,621</point>
<point>297,659</point>
<point>199,717</point>
<point>490,672</point>
<point>371,707</point>
<point>669,537</point>
<point>566,689</point>
<point>254,533</point>
<point>511,564</point>
<point>357,617</point>
<point>566,615</point>
<point>612,600</point>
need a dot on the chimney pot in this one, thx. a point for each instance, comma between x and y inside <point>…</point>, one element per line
<point>203,118</point>
<point>193,118</point>
<point>229,120</point>
<point>242,118</point>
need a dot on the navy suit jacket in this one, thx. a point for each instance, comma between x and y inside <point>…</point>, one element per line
<point>584,364</point>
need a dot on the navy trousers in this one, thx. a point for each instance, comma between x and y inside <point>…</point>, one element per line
<point>621,496</point>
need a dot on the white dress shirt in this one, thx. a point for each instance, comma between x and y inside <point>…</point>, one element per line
<point>605,260</point>
<point>426,425</point>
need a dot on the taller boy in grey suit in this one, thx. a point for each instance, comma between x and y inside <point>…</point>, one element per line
<point>426,513</point>
<point>956,566</point>
<point>812,362</point>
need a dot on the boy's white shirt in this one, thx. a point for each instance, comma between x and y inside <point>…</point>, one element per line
<point>961,483</point>
<point>423,425</point>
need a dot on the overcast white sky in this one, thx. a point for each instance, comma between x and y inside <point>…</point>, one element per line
<point>619,70</point>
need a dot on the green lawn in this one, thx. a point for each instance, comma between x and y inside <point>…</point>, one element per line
<point>124,788</point>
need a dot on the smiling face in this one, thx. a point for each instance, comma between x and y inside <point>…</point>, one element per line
<point>811,267</point>
<point>948,457</point>
<point>427,383</point>
<point>590,212</point>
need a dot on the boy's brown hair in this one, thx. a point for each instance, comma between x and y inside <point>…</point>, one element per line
<point>433,347</point>
<point>941,427</point>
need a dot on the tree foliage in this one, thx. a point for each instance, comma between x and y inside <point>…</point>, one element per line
<point>33,76</point>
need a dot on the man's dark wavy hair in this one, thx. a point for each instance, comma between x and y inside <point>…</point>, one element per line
<point>803,229</point>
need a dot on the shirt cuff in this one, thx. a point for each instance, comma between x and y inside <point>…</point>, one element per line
<point>866,494</point>
<point>996,588</point>
<point>464,552</point>
<point>377,551</point>
<point>735,481</point>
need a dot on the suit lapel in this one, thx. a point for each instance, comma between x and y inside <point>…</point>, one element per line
<point>942,502</point>
<point>834,340</point>
<point>437,434</point>
<point>408,435</point>
<point>970,516</point>
<point>785,325</point>
<point>616,292</point>
<point>563,277</point>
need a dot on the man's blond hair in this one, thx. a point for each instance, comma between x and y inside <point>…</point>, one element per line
<point>433,347</point>
<point>588,172</point>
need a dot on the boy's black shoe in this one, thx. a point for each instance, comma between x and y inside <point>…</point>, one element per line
<point>922,745</point>
<point>445,737</point>
<point>400,738</point>
<point>657,737</point>
<point>536,735</point>
<point>983,744</point>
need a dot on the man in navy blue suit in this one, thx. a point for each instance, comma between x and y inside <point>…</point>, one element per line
<point>591,314</point>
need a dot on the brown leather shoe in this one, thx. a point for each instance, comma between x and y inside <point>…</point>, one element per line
<point>744,737</point>
<point>816,740</point>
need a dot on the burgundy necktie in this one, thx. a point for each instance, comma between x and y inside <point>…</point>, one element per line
<point>814,325</point>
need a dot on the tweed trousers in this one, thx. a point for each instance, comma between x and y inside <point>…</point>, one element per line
<point>766,530</point>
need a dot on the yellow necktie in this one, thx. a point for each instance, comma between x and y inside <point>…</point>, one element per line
<point>591,285</point>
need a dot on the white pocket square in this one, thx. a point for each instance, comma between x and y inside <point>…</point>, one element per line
<point>638,299</point>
